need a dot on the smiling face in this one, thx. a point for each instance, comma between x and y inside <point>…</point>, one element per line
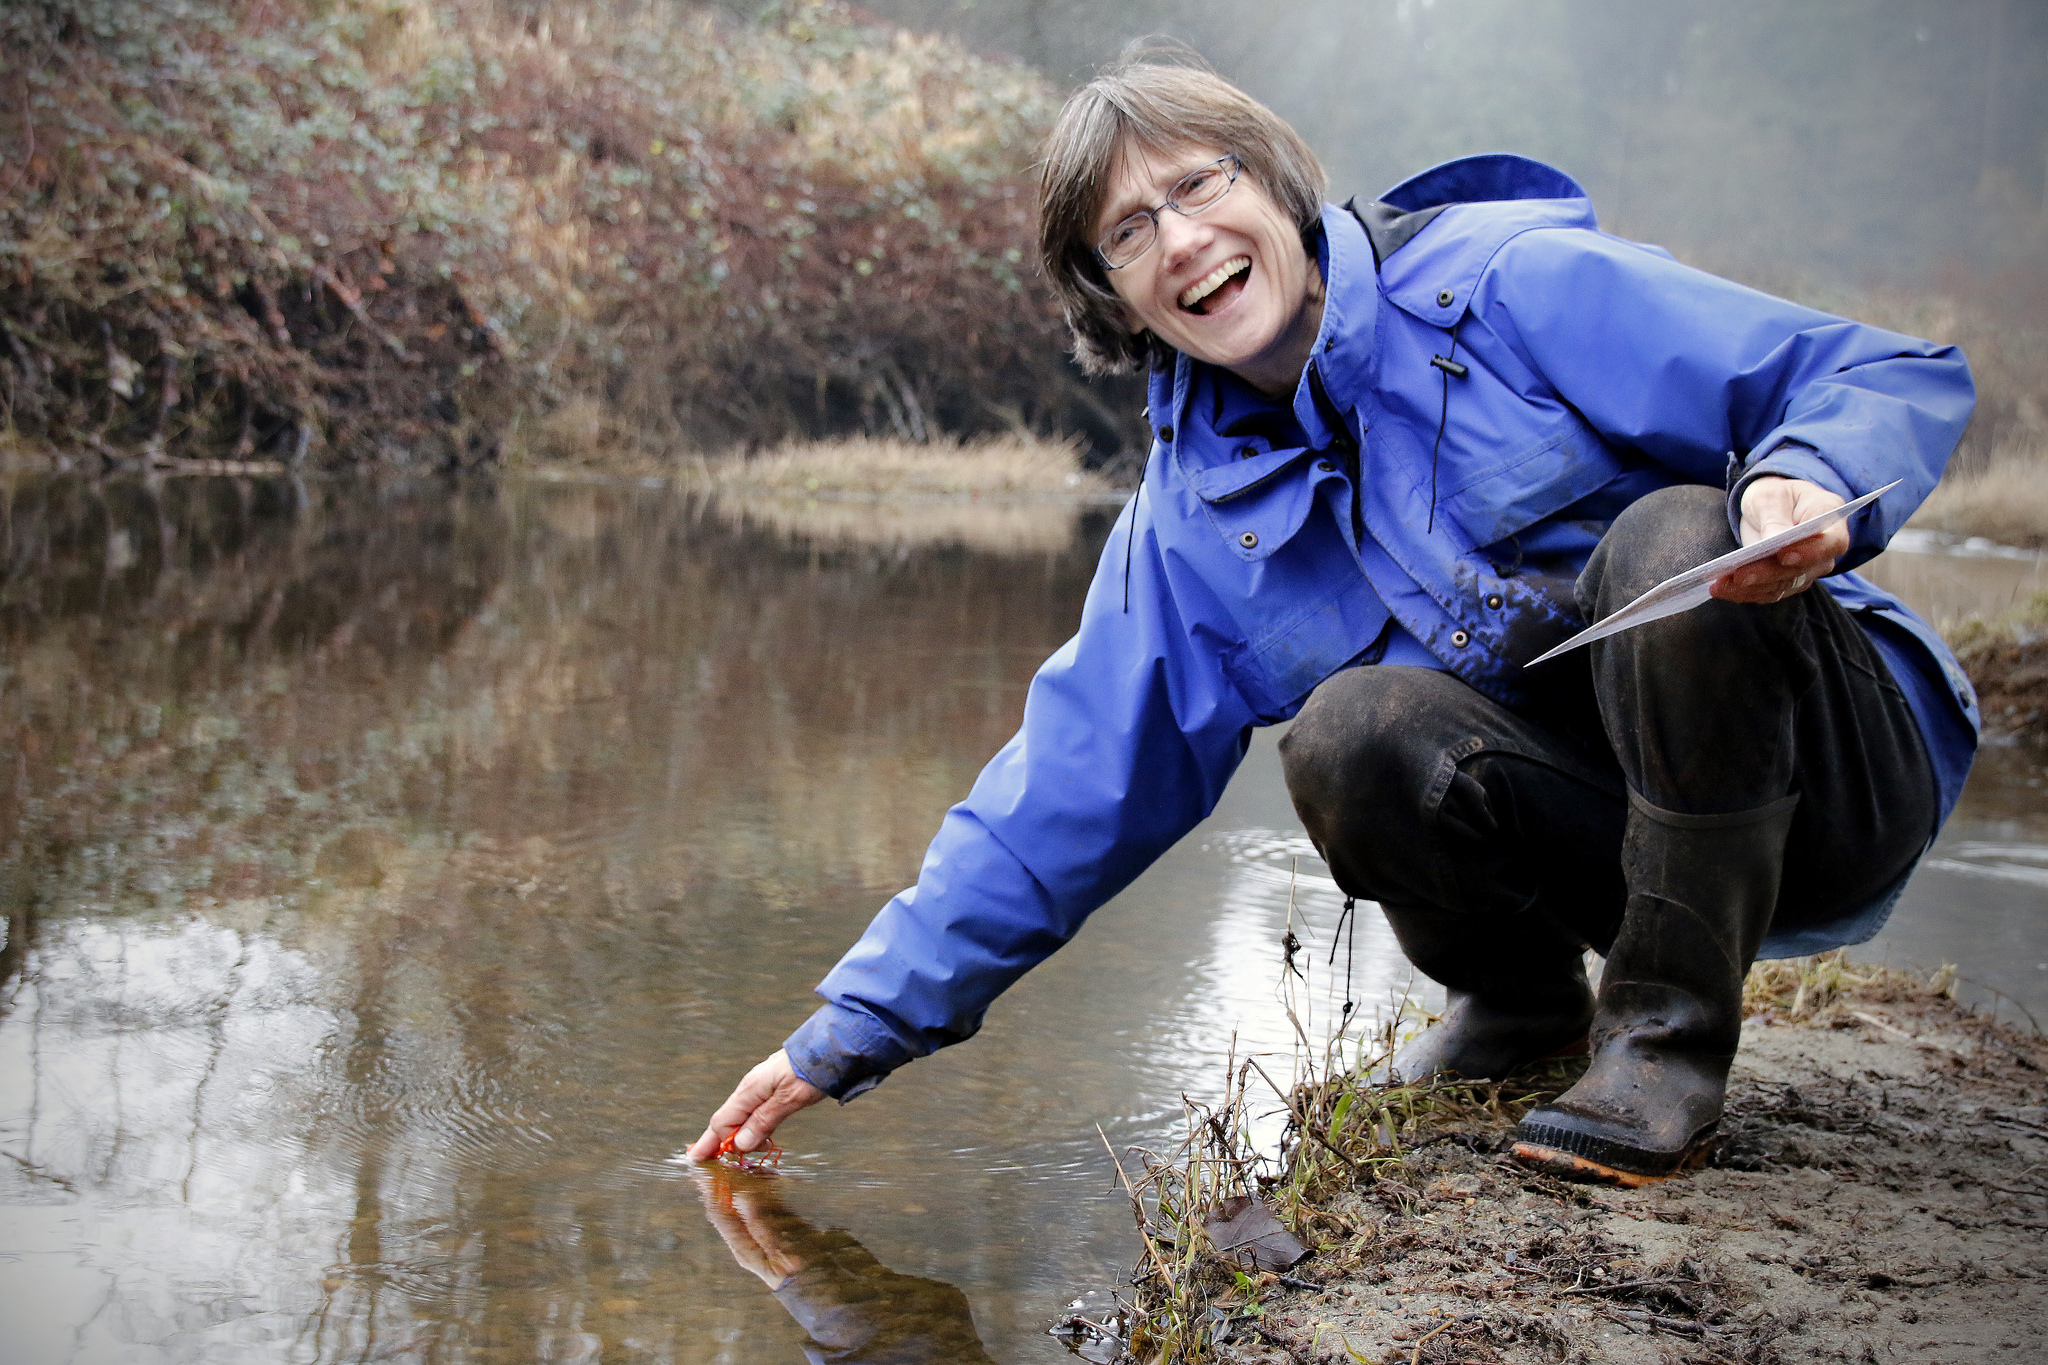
<point>1232,285</point>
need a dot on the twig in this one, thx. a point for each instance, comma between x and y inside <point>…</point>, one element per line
<point>1416,1358</point>
<point>1300,1121</point>
<point>2007,1121</point>
<point>1137,1209</point>
<point>1627,1284</point>
<point>28,125</point>
<point>1876,1022</point>
<point>1676,1326</point>
<point>352,300</point>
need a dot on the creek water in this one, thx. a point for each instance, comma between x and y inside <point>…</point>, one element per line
<point>396,875</point>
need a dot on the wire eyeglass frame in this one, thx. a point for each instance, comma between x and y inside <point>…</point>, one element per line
<point>1174,198</point>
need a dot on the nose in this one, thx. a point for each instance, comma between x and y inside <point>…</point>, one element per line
<point>1179,237</point>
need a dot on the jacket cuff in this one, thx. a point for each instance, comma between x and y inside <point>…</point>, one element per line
<point>843,1051</point>
<point>1787,460</point>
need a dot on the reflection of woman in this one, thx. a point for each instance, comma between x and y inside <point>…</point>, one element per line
<point>856,1310</point>
<point>1400,449</point>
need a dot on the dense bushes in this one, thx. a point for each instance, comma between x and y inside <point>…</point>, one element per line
<point>404,231</point>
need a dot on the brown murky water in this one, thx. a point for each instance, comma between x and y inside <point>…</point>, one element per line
<point>394,878</point>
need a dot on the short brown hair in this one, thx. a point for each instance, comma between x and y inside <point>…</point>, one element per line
<point>1160,101</point>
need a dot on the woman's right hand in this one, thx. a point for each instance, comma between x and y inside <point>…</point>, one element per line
<point>765,1096</point>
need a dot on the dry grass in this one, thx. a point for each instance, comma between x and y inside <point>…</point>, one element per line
<point>1005,495</point>
<point>2005,500</point>
<point>1006,465</point>
<point>1016,494</point>
<point>1341,1136</point>
<point>997,525</point>
<point>2006,658</point>
<point>1813,989</point>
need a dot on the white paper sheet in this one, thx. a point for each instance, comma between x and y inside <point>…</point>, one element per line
<point>1683,592</point>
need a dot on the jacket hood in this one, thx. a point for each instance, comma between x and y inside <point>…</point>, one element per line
<point>1491,178</point>
<point>1432,277</point>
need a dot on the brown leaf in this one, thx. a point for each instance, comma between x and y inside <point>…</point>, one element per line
<point>1247,1230</point>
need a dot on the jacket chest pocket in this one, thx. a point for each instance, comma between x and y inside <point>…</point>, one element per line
<point>1276,670</point>
<point>1537,481</point>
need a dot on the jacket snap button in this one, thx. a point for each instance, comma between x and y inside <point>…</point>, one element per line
<point>1460,638</point>
<point>1443,299</point>
<point>1249,539</point>
<point>1247,452</point>
<point>1326,466</point>
<point>1493,600</point>
<point>1166,433</point>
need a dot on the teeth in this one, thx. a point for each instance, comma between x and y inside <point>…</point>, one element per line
<point>1211,282</point>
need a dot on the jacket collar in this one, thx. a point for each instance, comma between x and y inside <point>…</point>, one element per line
<point>1351,305</point>
<point>1239,481</point>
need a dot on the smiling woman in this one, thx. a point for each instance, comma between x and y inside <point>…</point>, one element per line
<point>1401,448</point>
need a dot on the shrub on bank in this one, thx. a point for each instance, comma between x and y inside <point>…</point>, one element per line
<point>402,231</point>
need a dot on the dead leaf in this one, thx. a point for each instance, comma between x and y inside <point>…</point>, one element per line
<point>1247,1229</point>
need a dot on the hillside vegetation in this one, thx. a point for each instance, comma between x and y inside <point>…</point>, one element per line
<point>423,234</point>
<point>440,233</point>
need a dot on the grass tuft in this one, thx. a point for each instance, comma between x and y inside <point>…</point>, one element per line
<point>1815,989</point>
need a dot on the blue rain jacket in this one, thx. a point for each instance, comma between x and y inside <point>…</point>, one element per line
<point>1595,370</point>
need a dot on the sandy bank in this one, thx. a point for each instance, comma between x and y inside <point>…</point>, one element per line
<point>1877,1194</point>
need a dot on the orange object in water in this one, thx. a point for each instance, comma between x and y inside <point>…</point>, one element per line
<point>771,1153</point>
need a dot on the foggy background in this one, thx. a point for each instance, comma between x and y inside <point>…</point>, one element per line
<point>1852,143</point>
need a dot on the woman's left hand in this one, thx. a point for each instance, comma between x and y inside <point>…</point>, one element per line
<point>1773,504</point>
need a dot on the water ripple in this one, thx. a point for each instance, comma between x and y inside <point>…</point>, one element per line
<point>2023,863</point>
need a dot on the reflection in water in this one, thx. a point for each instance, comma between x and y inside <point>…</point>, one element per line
<point>395,875</point>
<point>854,1310</point>
<point>391,872</point>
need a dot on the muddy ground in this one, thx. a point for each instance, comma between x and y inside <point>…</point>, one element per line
<point>2010,672</point>
<point>1879,1194</point>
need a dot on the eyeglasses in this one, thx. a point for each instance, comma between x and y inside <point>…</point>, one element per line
<point>1198,189</point>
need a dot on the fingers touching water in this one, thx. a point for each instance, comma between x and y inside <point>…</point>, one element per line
<point>1770,505</point>
<point>765,1096</point>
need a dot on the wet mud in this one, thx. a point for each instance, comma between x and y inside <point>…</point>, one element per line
<point>1876,1195</point>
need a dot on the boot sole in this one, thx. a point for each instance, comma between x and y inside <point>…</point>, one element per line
<point>1578,1169</point>
<point>1588,1170</point>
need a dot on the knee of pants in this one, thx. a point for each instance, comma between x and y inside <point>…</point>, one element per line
<point>1658,535</point>
<point>1366,747</point>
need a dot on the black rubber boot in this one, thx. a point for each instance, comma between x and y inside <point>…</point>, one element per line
<point>1702,889</point>
<point>1517,989</point>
